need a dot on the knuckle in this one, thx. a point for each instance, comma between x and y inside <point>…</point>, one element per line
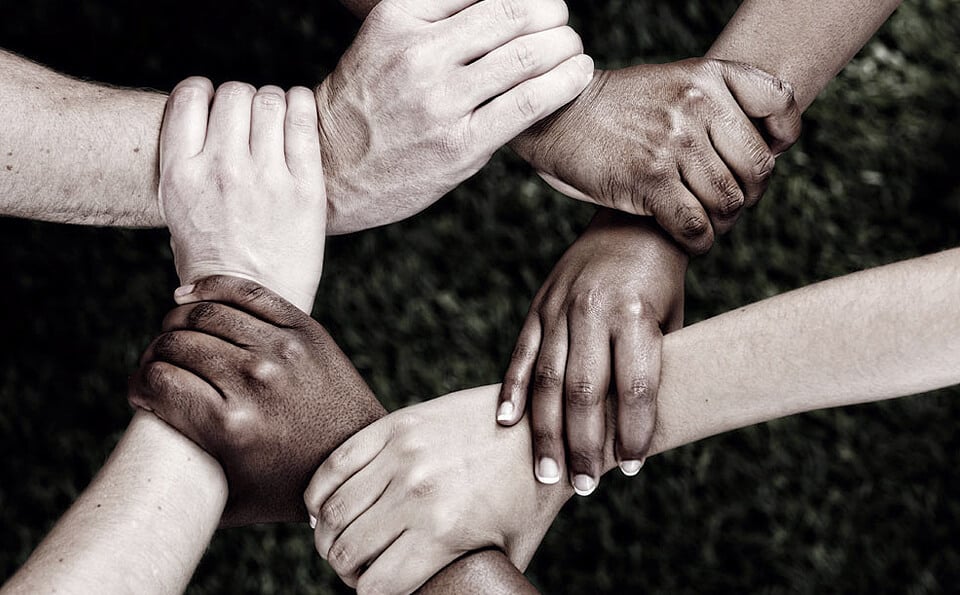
<point>270,100</point>
<point>201,314</point>
<point>262,371</point>
<point>545,438</point>
<point>341,558</point>
<point>636,393</point>
<point>693,224</point>
<point>586,458</point>
<point>763,164</point>
<point>589,302</point>
<point>731,198</point>
<point>236,89</point>
<point>167,344</point>
<point>157,378</point>
<point>513,12</point>
<point>290,349</point>
<point>332,513</point>
<point>582,394</point>
<point>522,351</point>
<point>302,121</point>
<point>635,309</point>
<point>547,378</point>
<point>529,104</point>
<point>524,57</point>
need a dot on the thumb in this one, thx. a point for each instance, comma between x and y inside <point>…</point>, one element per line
<point>245,295</point>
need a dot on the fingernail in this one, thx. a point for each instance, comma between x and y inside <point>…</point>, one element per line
<point>584,485</point>
<point>547,471</point>
<point>505,412</point>
<point>183,290</point>
<point>313,522</point>
<point>630,468</point>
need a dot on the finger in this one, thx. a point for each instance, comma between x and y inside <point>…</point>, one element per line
<point>587,379</point>
<point>180,398</point>
<point>350,457</point>
<point>301,135</point>
<point>185,120</point>
<point>267,116</point>
<point>352,500</point>
<point>681,215</point>
<point>229,128</point>
<point>516,382</point>
<point>221,321</point>
<point>546,409</point>
<point>636,355</point>
<point>509,114</point>
<point>365,539</point>
<point>435,10</point>
<point>709,179</point>
<point>219,363</point>
<point>519,60</point>
<point>488,25</point>
<point>404,566</point>
<point>246,295</point>
<point>764,96</point>
<point>741,147</point>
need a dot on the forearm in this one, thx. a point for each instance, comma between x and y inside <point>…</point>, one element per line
<point>803,43</point>
<point>142,524</point>
<point>77,152</point>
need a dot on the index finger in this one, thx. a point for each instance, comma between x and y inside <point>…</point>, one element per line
<point>184,129</point>
<point>246,295</point>
<point>764,96</point>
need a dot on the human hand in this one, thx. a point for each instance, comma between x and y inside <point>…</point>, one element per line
<point>425,484</point>
<point>604,306</point>
<point>429,90</point>
<point>242,188</point>
<point>674,141</point>
<point>259,385</point>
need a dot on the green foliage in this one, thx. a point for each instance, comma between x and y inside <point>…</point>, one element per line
<point>852,500</point>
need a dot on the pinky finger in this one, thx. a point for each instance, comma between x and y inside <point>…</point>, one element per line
<point>506,116</point>
<point>636,355</point>
<point>301,136</point>
<point>349,458</point>
<point>516,383</point>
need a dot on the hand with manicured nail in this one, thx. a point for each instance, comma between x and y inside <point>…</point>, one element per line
<point>259,385</point>
<point>428,92</point>
<point>418,488</point>
<point>603,309</point>
<point>242,187</point>
<point>674,141</point>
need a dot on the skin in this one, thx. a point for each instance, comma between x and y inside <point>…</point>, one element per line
<point>803,44</point>
<point>877,334</point>
<point>263,485</point>
<point>400,95</point>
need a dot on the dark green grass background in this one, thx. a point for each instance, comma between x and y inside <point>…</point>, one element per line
<point>856,500</point>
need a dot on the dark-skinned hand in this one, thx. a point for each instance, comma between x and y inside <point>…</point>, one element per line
<point>679,142</point>
<point>259,385</point>
<point>604,307</point>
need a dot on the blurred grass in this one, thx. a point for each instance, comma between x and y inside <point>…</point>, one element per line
<point>855,500</point>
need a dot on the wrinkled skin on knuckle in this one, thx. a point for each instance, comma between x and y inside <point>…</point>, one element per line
<point>202,313</point>
<point>545,439</point>
<point>290,349</point>
<point>513,13</point>
<point>588,302</point>
<point>331,513</point>
<point>547,378</point>
<point>168,345</point>
<point>637,393</point>
<point>586,460</point>
<point>341,558</point>
<point>583,394</point>
<point>262,373</point>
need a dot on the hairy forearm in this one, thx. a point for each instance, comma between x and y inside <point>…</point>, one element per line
<point>141,526</point>
<point>803,43</point>
<point>76,152</point>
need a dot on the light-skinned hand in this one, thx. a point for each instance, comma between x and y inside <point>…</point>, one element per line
<point>429,90</point>
<point>241,185</point>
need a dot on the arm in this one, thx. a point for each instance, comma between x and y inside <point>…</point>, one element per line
<point>804,43</point>
<point>142,524</point>
<point>877,334</point>
<point>76,152</point>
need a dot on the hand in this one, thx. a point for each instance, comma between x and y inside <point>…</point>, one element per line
<point>416,489</point>
<point>429,90</point>
<point>674,141</point>
<point>603,306</point>
<point>259,385</point>
<point>242,188</point>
